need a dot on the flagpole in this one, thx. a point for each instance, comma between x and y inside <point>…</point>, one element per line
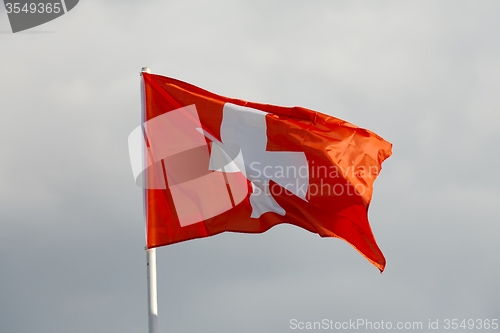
<point>152,298</point>
<point>150,253</point>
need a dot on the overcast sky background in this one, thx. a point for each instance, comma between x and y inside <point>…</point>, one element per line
<point>424,75</point>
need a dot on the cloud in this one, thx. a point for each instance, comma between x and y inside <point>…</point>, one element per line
<point>423,75</point>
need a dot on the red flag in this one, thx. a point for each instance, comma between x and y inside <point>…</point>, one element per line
<point>214,164</point>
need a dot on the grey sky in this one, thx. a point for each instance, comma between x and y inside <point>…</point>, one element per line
<point>425,75</point>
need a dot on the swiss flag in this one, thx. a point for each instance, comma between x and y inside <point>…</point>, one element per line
<point>210,164</point>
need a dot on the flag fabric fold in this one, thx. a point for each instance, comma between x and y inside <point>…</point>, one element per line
<point>213,164</point>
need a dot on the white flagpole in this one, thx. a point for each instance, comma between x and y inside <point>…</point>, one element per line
<point>152,300</point>
<point>150,253</point>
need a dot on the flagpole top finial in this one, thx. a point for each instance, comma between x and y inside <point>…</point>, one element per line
<point>145,70</point>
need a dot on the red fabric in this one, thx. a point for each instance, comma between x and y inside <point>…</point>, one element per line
<point>328,143</point>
